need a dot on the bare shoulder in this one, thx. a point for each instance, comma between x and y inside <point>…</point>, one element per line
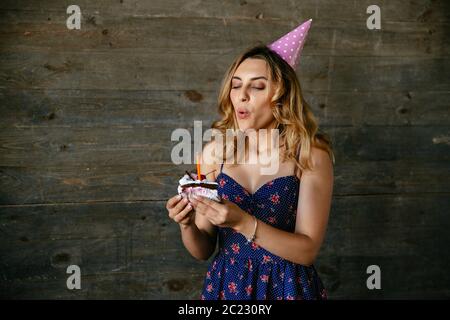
<point>321,163</point>
<point>210,163</point>
<point>320,158</point>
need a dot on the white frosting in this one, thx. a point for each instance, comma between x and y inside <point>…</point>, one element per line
<point>187,192</point>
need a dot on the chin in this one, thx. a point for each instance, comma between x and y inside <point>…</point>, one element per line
<point>246,127</point>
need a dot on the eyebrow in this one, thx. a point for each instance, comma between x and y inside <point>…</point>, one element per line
<point>254,78</point>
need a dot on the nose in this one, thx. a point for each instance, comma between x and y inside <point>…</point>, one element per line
<point>243,95</point>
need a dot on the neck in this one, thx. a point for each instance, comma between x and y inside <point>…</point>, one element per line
<point>264,142</point>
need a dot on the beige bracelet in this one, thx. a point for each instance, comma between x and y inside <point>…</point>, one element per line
<point>253,237</point>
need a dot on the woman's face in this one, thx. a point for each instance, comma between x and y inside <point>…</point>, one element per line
<point>250,95</point>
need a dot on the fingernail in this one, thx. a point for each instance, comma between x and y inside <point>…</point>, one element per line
<point>195,196</point>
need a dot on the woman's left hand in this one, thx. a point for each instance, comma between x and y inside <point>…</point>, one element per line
<point>225,214</point>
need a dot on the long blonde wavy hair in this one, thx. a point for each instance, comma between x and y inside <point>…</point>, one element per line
<point>298,128</point>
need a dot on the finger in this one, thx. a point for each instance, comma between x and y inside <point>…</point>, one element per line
<point>186,218</point>
<point>199,205</point>
<point>183,213</point>
<point>172,201</point>
<point>200,210</point>
<point>177,209</point>
<point>206,210</point>
<point>211,203</point>
<point>193,202</point>
<point>180,206</point>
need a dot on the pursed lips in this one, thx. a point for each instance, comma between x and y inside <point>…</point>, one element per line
<point>243,113</point>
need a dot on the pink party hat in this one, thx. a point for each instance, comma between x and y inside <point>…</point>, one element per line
<point>289,46</point>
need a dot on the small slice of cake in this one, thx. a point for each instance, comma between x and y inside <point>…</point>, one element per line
<point>190,185</point>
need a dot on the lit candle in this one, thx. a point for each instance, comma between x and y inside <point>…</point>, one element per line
<point>199,174</point>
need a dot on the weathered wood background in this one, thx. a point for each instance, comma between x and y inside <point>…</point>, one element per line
<point>87,116</point>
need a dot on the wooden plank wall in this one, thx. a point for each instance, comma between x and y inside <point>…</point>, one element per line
<point>86,119</point>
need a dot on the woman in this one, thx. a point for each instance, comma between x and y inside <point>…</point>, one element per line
<point>270,229</point>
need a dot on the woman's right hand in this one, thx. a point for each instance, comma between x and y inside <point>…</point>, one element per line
<point>180,210</point>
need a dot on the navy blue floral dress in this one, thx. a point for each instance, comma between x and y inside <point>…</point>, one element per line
<point>246,271</point>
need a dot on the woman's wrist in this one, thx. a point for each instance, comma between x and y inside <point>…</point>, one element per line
<point>184,227</point>
<point>247,226</point>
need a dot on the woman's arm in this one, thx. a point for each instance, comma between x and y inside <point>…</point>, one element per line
<point>197,241</point>
<point>313,210</point>
<point>199,238</point>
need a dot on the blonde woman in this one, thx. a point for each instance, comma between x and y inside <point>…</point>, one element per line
<point>269,228</point>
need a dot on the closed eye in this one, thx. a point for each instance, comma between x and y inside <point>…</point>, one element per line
<point>252,88</point>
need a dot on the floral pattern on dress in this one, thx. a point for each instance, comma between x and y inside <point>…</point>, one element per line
<point>246,271</point>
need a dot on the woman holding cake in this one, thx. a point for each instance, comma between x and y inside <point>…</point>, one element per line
<point>269,228</point>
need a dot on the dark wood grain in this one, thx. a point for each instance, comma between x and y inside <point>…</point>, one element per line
<point>73,184</point>
<point>103,10</point>
<point>157,71</point>
<point>115,244</point>
<point>25,107</point>
<point>87,117</point>
<point>213,36</point>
